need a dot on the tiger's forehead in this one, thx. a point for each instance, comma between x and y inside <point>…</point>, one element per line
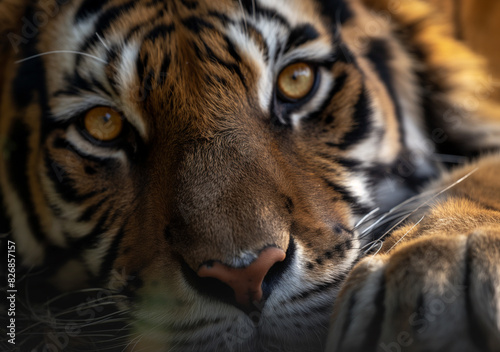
<point>148,57</point>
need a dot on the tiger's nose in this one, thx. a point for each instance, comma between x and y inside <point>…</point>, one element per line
<point>245,282</point>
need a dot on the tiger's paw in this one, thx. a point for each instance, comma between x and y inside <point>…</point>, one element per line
<point>436,293</point>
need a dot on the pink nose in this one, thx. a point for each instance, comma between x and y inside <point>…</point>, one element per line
<point>245,282</point>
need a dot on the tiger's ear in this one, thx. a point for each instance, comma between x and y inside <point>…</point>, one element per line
<point>456,90</point>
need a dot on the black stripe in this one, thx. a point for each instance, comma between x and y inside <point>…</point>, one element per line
<point>320,309</point>
<point>344,54</point>
<point>347,163</point>
<point>337,11</point>
<point>339,84</point>
<point>354,204</point>
<point>478,336</point>
<point>317,289</point>
<point>403,168</point>
<point>164,69</point>
<point>185,327</point>
<point>316,115</point>
<point>223,18</point>
<point>111,255</point>
<point>106,20</point>
<point>17,166</point>
<point>89,8</point>
<point>112,57</point>
<point>92,238</point>
<point>160,31</point>
<point>190,4</point>
<point>147,83</point>
<point>75,83</point>
<point>136,29</point>
<point>233,67</point>
<point>141,65</point>
<point>143,25</point>
<point>347,322</point>
<point>5,225</point>
<point>196,24</point>
<point>232,49</point>
<point>380,55</point>
<point>30,78</point>
<point>374,330</point>
<point>419,320</point>
<point>64,185</point>
<point>301,35</point>
<point>254,31</point>
<point>28,83</point>
<point>92,209</point>
<point>361,121</point>
<point>250,5</point>
<point>162,3</point>
<point>98,87</point>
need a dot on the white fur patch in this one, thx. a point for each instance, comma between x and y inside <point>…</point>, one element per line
<point>86,147</point>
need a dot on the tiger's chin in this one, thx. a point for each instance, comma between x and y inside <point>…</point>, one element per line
<point>209,326</point>
<point>175,313</point>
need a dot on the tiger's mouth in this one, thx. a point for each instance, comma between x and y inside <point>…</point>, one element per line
<point>204,315</point>
<point>219,291</point>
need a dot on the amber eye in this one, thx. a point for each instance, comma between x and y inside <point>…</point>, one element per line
<point>296,81</point>
<point>103,123</point>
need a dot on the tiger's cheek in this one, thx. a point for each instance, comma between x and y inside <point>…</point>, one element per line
<point>79,187</point>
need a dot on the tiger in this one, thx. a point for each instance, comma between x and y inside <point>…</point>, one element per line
<point>251,175</point>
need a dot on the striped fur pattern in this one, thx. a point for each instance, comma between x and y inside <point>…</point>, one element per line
<point>213,165</point>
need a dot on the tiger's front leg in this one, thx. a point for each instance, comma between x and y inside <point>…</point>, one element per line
<point>436,284</point>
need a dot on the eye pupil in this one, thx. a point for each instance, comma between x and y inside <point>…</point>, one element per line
<point>106,118</point>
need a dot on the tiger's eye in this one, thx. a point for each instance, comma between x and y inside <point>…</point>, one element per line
<point>296,81</point>
<point>103,123</point>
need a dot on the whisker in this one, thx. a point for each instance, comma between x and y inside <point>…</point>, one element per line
<point>372,245</point>
<point>130,342</point>
<point>406,233</point>
<point>61,52</point>
<point>66,294</point>
<point>430,200</point>
<point>50,319</point>
<point>102,41</point>
<point>365,217</point>
<point>395,213</point>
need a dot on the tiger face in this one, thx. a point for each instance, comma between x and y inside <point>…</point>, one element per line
<point>208,159</point>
